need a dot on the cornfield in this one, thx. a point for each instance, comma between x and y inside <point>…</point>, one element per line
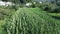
<point>32,21</point>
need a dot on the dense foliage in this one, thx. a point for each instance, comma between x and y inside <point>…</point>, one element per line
<point>19,1</point>
<point>6,12</point>
<point>32,21</point>
<point>50,7</point>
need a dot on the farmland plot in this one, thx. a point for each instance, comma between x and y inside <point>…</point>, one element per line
<point>32,21</point>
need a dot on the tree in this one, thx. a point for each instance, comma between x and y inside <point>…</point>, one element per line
<point>19,1</point>
<point>26,1</point>
<point>14,1</point>
<point>5,0</point>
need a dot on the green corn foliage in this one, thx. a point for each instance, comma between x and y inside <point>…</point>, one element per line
<point>32,21</point>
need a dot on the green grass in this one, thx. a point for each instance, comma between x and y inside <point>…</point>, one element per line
<point>54,14</point>
<point>2,22</point>
<point>4,14</point>
<point>32,21</point>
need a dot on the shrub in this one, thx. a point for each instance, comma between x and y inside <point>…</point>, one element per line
<point>54,10</point>
<point>46,8</point>
<point>50,7</point>
<point>15,7</point>
<point>6,13</point>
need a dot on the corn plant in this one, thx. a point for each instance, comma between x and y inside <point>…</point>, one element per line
<point>32,21</point>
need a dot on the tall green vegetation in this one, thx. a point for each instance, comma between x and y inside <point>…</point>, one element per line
<point>52,7</point>
<point>32,21</point>
<point>5,13</point>
<point>19,1</point>
<point>26,1</point>
<point>14,1</point>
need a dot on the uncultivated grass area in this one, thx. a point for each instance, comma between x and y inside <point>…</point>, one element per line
<point>32,21</point>
<point>2,22</point>
<point>4,15</point>
<point>55,15</point>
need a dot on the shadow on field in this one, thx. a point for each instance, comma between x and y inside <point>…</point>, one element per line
<point>56,17</point>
